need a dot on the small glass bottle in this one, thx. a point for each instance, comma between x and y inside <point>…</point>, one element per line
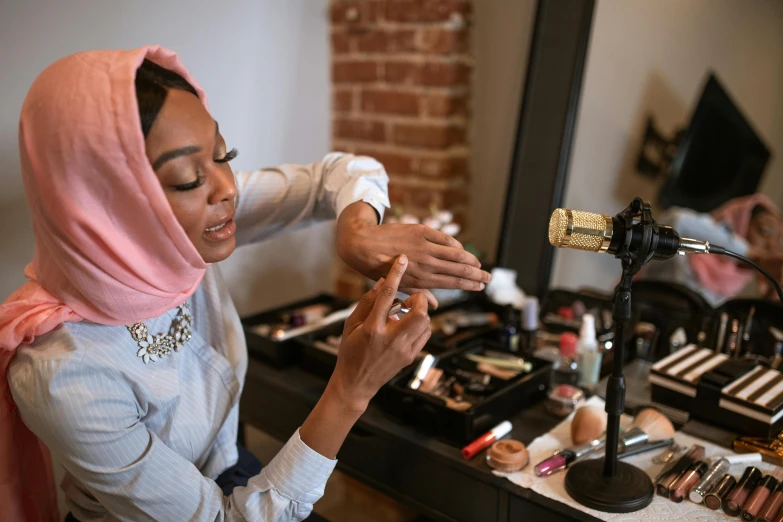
<point>566,369</point>
<point>589,354</point>
<point>527,339</point>
<point>510,329</point>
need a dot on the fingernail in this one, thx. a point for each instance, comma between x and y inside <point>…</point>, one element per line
<point>378,284</point>
<point>402,259</point>
<point>482,286</point>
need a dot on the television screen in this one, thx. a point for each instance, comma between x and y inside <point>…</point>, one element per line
<point>720,157</point>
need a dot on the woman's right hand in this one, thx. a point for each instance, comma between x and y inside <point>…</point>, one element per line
<point>374,348</point>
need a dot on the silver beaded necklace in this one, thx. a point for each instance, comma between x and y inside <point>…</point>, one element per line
<point>152,348</point>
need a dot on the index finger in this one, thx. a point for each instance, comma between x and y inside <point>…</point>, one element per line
<point>363,307</point>
<point>387,291</point>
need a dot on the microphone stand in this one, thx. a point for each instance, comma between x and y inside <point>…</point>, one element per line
<point>608,484</point>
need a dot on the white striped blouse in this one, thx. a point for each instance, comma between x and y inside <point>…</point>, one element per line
<point>144,442</point>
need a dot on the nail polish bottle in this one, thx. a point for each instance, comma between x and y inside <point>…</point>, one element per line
<point>715,497</point>
<point>773,505</point>
<point>689,479</point>
<point>733,502</point>
<point>758,498</point>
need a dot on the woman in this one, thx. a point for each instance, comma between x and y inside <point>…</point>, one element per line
<point>749,226</point>
<point>129,357</point>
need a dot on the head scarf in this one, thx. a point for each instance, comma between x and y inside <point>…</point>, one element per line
<point>108,248</point>
<point>722,275</point>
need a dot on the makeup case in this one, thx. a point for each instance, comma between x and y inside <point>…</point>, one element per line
<point>743,398</point>
<point>759,340</point>
<point>674,379</point>
<point>287,352</point>
<point>430,415</point>
<point>559,298</point>
<point>319,359</point>
<point>478,303</point>
<point>669,307</point>
<point>736,394</point>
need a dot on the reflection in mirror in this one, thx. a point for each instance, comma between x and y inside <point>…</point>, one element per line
<point>681,105</point>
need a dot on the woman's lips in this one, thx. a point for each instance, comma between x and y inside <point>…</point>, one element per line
<point>221,232</point>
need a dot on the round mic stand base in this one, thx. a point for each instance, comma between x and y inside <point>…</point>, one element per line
<point>628,490</point>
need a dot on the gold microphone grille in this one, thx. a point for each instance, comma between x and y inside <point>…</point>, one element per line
<point>580,230</point>
<point>558,224</point>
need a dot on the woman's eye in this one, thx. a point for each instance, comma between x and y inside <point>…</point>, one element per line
<point>233,153</point>
<point>190,186</point>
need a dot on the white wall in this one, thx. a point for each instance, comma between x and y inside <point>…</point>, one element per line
<point>652,57</point>
<point>265,68</point>
<point>501,44</point>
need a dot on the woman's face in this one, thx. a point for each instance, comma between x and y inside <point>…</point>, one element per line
<point>189,156</point>
<point>765,232</point>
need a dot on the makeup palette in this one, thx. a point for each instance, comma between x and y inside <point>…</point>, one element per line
<point>734,393</point>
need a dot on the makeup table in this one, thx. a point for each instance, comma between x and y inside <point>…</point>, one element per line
<point>401,462</point>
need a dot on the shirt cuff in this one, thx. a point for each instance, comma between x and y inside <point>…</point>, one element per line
<point>376,198</point>
<point>298,472</point>
<point>380,202</point>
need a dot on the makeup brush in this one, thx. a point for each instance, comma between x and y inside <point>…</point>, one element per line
<point>649,424</point>
<point>589,423</point>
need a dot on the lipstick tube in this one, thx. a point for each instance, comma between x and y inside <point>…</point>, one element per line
<point>717,469</point>
<point>668,477</point>
<point>773,505</point>
<point>689,479</point>
<point>713,475</point>
<point>565,457</point>
<point>486,440</point>
<point>715,497</point>
<point>758,498</point>
<point>733,502</point>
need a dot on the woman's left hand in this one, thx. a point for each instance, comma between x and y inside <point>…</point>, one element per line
<point>436,260</point>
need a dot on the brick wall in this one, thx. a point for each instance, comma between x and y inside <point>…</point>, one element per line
<point>401,84</point>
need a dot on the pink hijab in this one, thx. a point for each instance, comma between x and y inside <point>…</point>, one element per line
<point>722,275</point>
<point>108,248</point>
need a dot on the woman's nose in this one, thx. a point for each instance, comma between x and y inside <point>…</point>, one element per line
<point>225,188</point>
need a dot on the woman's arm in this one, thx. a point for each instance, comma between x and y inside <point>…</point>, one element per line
<point>287,197</point>
<point>373,350</point>
<point>90,421</point>
<point>436,260</point>
<point>355,189</point>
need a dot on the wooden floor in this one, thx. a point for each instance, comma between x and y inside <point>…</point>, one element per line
<point>345,500</point>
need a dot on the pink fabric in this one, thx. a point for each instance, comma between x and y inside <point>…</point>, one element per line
<point>722,275</point>
<point>108,248</point>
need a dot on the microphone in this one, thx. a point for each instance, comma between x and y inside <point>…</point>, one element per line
<point>606,234</point>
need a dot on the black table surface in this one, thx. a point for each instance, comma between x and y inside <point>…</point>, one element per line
<point>403,463</point>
